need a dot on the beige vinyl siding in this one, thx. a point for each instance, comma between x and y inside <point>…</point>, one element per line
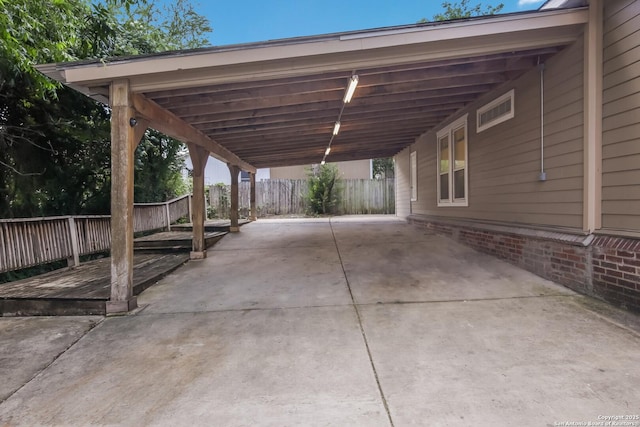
<point>355,169</point>
<point>504,161</point>
<point>621,116</point>
<point>403,190</point>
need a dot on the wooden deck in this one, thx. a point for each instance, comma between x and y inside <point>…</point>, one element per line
<point>81,290</point>
<point>86,288</point>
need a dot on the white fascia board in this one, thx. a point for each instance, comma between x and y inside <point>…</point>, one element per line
<point>510,25</point>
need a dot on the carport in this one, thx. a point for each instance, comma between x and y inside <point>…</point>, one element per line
<point>344,321</point>
<point>277,103</point>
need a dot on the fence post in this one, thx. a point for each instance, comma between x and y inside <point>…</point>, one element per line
<point>167,212</point>
<point>206,205</point>
<point>73,230</point>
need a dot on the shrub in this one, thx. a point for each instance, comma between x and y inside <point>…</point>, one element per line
<point>324,189</point>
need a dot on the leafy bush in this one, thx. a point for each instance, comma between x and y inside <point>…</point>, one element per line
<point>324,189</point>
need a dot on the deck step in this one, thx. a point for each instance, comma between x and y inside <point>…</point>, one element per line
<point>210,225</point>
<point>83,290</point>
<point>174,241</point>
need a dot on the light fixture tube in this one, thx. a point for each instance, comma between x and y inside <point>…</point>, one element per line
<point>322,163</point>
<point>353,82</point>
<point>336,128</point>
<point>327,151</point>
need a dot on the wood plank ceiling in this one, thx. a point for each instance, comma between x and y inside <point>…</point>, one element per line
<point>289,121</point>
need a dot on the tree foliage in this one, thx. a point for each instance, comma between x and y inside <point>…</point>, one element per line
<point>324,189</point>
<point>383,168</point>
<point>463,9</point>
<point>55,142</point>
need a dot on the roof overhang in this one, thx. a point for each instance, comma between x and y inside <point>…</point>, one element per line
<point>274,103</point>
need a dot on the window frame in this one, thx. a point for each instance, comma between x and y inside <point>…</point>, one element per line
<point>448,131</point>
<point>499,100</point>
<point>413,175</point>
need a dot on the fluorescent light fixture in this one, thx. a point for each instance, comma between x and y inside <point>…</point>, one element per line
<point>353,82</point>
<point>322,163</point>
<point>327,151</point>
<point>336,128</point>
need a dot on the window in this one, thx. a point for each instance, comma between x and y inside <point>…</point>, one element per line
<point>414,177</point>
<point>244,176</point>
<point>453,170</point>
<point>497,111</point>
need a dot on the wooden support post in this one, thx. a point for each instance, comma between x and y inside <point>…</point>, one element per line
<point>233,209</point>
<point>74,261</point>
<point>199,157</point>
<point>252,197</point>
<point>123,145</point>
<point>168,214</point>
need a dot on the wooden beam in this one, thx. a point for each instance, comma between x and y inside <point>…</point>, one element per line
<point>251,104</point>
<point>417,97</point>
<point>355,113</point>
<point>216,88</point>
<point>139,129</point>
<point>168,123</point>
<point>205,117</point>
<point>236,95</point>
<point>415,76</point>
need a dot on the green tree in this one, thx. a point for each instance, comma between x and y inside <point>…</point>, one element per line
<point>54,142</point>
<point>383,168</point>
<point>324,189</point>
<point>463,9</point>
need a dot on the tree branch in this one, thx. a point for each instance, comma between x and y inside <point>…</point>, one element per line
<point>22,173</point>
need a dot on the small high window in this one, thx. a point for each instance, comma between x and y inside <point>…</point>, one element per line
<point>497,111</point>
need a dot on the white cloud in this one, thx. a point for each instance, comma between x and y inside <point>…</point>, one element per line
<point>522,3</point>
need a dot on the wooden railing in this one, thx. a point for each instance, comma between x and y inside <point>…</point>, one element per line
<point>33,241</point>
<point>154,216</point>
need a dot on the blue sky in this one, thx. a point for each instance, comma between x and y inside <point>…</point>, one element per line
<point>260,20</point>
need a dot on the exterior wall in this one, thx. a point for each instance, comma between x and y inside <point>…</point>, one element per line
<point>504,161</point>
<point>621,116</point>
<point>357,169</point>
<point>217,172</point>
<point>515,217</point>
<point>289,172</point>
<point>606,267</point>
<point>403,190</point>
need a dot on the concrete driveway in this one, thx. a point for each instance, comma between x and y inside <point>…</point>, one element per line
<point>354,321</point>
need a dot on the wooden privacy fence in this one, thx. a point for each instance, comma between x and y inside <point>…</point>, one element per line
<point>288,197</point>
<point>33,241</point>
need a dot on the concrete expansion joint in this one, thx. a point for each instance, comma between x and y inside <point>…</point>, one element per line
<point>241,310</point>
<point>467,300</point>
<point>92,326</point>
<point>362,332</point>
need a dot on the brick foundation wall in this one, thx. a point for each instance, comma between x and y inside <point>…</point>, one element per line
<point>616,270</point>
<point>608,268</point>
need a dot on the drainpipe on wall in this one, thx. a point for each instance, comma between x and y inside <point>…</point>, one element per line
<point>543,174</point>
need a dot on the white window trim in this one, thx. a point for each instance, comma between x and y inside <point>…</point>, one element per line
<point>511,94</point>
<point>461,122</point>
<point>413,178</point>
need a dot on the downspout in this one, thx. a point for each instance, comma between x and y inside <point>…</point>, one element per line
<point>543,174</point>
